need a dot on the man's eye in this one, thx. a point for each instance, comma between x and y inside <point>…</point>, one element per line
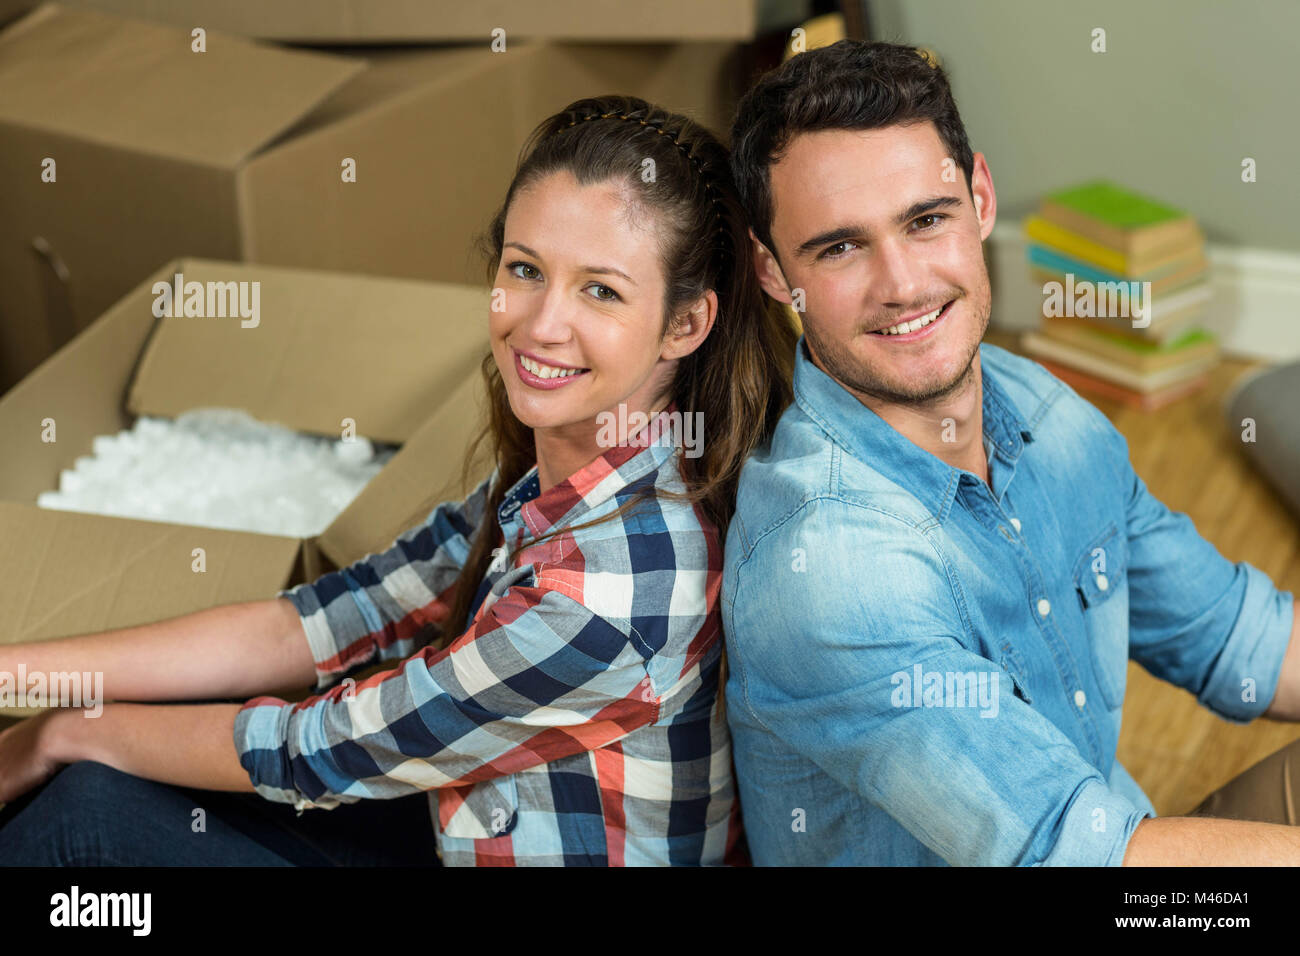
<point>934,216</point>
<point>830,251</point>
<point>524,270</point>
<point>601,289</point>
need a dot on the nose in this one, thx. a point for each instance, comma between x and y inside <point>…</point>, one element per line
<point>548,322</point>
<point>898,274</point>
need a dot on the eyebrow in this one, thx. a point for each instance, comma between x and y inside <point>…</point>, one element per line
<point>850,231</point>
<point>596,270</point>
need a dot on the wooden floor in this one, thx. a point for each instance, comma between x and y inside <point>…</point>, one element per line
<point>1191,461</point>
<point>1189,458</point>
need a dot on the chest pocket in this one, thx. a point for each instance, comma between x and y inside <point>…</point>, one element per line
<point>480,811</point>
<point>1101,584</point>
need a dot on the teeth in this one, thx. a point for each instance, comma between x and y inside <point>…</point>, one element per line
<point>546,371</point>
<point>904,327</point>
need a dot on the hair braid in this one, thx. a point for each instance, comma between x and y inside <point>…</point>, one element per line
<point>655,120</point>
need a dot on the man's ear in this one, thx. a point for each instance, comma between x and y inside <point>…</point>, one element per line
<point>983,195</point>
<point>690,328</point>
<point>770,276</point>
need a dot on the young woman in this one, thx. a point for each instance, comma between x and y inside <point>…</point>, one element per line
<point>555,638</point>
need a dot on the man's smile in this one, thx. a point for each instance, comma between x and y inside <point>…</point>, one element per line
<point>909,330</point>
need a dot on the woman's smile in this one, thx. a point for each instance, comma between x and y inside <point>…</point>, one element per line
<point>537,374</point>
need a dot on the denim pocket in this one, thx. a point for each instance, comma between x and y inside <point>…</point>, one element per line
<point>1102,587</point>
<point>479,811</point>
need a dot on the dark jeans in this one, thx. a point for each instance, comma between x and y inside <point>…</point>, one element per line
<point>89,814</point>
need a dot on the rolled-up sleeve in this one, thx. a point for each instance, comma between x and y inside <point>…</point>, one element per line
<point>834,677</point>
<point>388,604</point>
<point>538,677</point>
<point>1196,619</point>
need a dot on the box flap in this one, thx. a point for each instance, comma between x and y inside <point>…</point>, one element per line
<point>53,414</point>
<point>64,572</point>
<point>137,85</point>
<point>426,472</point>
<point>394,72</point>
<point>326,347</point>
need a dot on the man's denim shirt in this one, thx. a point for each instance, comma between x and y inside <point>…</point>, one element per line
<point>924,670</point>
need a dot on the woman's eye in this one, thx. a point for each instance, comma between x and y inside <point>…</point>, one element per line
<point>600,291</point>
<point>524,271</point>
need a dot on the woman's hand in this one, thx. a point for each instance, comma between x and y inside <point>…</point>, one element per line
<point>26,761</point>
<point>186,745</point>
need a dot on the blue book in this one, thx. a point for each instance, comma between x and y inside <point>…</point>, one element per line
<point>1171,277</point>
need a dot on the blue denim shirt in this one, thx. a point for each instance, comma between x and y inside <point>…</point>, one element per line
<point>926,670</point>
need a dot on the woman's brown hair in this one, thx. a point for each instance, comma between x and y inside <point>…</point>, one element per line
<point>739,378</point>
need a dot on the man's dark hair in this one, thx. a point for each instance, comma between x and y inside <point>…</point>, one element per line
<point>848,85</point>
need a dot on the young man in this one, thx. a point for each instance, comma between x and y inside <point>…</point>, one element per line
<point>939,569</point>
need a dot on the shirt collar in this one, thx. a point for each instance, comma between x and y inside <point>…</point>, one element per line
<point>867,437</point>
<point>642,454</point>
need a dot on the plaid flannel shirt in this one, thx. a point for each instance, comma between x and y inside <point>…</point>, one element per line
<point>575,721</point>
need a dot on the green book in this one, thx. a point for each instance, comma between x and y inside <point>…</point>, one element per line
<point>1106,202</point>
<point>1136,226</point>
<point>1194,336</point>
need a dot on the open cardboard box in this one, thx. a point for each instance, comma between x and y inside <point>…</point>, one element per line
<point>398,357</point>
<point>237,153</point>
<point>379,21</point>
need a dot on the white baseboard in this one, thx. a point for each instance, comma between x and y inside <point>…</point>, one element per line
<point>1255,311</point>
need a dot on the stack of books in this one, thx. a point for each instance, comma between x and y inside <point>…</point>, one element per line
<point>1125,280</point>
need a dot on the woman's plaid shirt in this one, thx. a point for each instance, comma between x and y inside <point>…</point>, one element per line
<point>575,722</point>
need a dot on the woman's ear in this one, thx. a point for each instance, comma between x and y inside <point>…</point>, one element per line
<point>690,328</point>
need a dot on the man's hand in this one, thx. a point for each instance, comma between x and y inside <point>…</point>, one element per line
<point>1286,700</point>
<point>25,758</point>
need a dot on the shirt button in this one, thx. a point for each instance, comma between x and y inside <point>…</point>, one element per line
<point>1015,523</point>
<point>1102,583</point>
<point>1080,698</point>
<point>1043,607</point>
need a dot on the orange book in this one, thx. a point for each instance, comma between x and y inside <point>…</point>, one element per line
<point>1143,401</point>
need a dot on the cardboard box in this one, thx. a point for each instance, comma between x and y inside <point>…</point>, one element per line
<point>382,21</point>
<point>237,154</point>
<point>398,357</point>
<point>13,9</point>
